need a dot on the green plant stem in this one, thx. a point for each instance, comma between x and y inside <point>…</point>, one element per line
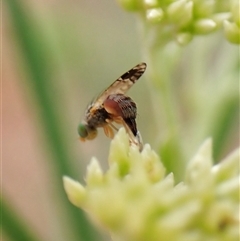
<point>37,58</point>
<point>224,120</point>
<point>162,61</point>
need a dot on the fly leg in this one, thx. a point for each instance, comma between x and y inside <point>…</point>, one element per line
<point>108,129</point>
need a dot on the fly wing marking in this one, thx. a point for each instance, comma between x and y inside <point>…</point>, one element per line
<point>122,84</point>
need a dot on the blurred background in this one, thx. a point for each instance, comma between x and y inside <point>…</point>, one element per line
<point>58,56</point>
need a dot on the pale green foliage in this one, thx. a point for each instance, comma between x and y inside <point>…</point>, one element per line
<point>190,17</point>
<point>136,201</point>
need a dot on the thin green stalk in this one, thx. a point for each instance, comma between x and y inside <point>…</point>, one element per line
<point>36,56</point>
<point>160,64</point>
<point>226,117</point>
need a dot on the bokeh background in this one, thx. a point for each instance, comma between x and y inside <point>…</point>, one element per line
<point>57,56</point>
<point>82,46</point>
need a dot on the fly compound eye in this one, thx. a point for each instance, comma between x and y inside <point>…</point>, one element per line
<point>82,130</point>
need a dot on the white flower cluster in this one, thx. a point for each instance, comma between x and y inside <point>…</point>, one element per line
<point>136,201</point>
<point>187,18</point>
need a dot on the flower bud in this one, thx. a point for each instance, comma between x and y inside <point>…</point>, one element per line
<point>180,12</point>
<point>154,15</point>
<point>204,8</point>
<point>75,191</point>
<point>151,3</point>
<point>204,26</point>
<point>235,8</point>
<point>184,38</point>
<point>232,32</point>
<point>94,173</point>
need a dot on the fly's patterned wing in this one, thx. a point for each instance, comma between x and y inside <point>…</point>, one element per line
<point>122,84</point>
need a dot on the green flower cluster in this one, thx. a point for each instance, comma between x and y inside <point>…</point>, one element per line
<point>135,200</point>
<point>186,18</point>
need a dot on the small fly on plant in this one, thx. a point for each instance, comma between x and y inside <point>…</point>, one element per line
<point>113,106</point>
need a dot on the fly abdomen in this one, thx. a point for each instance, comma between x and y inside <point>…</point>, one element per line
<point>121,105</point>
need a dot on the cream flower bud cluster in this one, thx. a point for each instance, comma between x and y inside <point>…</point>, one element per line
<point>187,18</point>
<point>135,200</point>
